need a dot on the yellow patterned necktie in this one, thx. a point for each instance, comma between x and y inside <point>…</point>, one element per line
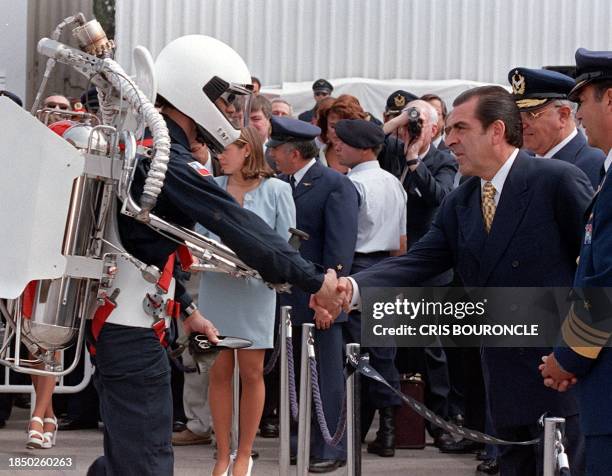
<point>488,205</point>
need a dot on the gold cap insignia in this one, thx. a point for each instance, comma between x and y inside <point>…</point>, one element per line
<point>399,101</point>
<point>518,83</point>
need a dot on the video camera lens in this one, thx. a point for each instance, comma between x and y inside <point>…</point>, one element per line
<point>415,123</point>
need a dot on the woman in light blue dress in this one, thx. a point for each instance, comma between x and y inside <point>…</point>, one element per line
<point>243,307</point>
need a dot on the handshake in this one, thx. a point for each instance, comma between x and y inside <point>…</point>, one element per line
<point>334,296</point>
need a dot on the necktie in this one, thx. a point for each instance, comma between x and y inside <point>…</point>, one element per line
<point>488,205</point>
<point>292,182</point>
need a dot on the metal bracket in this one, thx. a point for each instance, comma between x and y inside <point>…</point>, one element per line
<point>82,267</point>
<point>102,166</point>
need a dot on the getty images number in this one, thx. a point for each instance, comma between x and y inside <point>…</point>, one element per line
<point>39,462</point>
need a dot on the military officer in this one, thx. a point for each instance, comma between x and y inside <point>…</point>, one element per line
<point>549,127</point>
<point>585,358</point>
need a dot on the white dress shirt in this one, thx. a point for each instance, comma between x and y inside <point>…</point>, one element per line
<point>608,161</point>
<point>500,177</point>
<point>559,146</point>
<point>299,175</point>
<point>382,209</point>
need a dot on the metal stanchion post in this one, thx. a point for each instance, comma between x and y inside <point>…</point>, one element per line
<point>236,404</point>
<point>303,452</point>
<point>284,431</point>
<point>552,427</point>
<point>353,423</point>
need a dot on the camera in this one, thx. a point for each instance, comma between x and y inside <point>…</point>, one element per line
<point>415,123</point>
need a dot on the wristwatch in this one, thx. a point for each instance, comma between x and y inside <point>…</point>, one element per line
<point>412,162</point>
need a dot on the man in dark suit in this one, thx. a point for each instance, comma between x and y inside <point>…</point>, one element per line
<point>549,128</point>
<point>326,208</point>
<point>515,223</point>
<point>585,353</point>
<point>321,89</point>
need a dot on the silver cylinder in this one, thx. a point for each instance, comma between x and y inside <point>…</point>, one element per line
<point>304,416</point>
<point>57,307</point>
<point>552,428</point>
<point>353,438</point>
<point>284,410</point>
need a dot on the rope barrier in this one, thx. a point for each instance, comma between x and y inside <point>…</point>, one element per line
<point>364,368</point>
<point>318,404</point>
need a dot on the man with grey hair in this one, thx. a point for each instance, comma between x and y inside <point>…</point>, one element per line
<point>427,173</point>
<point>549,127</point>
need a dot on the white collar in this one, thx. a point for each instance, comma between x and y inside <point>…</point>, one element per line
<point>551,153</point>
<point>437,142</point>
<point>608,160</point>
<point>299,175</point>
<point>500,177</point>
<point>370,164</point>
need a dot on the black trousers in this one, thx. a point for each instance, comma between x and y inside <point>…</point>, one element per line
<point>133,382</point>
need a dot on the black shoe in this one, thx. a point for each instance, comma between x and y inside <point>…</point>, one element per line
<point>462,446</point>
<point>443,440</point>
<point>489,466</point>
<point>254,454</point>
<point>384,444</point>
<point>324,465</point>
<point>376,447</point>
<point>293,460</point>
<point>2,423</point>
<point>68,424</point>
<point>268,430</point>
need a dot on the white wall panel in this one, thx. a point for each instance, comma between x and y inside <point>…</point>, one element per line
<point>300,40</point>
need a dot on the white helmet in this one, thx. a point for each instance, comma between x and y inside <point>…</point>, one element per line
<point>208,81</point>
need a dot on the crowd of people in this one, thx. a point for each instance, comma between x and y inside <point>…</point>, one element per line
<point>423,197</point>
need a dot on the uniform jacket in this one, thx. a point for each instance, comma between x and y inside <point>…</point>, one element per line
<point>594,371</point>
<point>326,204</point>
<point>533,242</point>
<point>586,158</point>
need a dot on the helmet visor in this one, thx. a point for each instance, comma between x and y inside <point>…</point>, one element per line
<point>232,100</point>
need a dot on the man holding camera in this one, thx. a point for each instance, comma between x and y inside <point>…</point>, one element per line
<point>427,175</point>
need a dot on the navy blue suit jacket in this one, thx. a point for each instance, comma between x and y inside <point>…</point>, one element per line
<point>582,155</point>
<point>534,241</point>
<point>326,204</point>
<point>594,271</point>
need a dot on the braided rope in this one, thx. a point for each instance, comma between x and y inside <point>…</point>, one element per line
<point>318,404</point>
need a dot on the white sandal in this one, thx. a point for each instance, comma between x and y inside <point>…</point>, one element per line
<point>36,439</point>
<point>50,436</point>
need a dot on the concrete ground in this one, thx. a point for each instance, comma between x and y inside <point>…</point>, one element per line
<point>86,445</point>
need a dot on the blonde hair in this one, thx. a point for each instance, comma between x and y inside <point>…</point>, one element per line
<point>255,165</point>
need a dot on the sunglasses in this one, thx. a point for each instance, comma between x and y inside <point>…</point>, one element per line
<point>321,93</point>
<point>54,105</point>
